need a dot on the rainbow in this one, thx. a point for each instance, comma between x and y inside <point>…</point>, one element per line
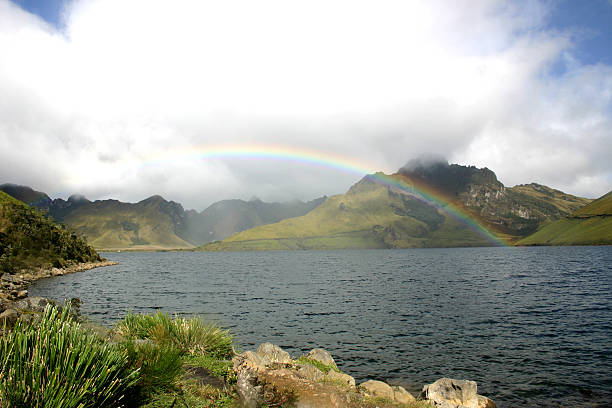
<point>318,159</point>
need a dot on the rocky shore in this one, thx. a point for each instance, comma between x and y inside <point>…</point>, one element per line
<point>14,300</point>
<point>270,376</point>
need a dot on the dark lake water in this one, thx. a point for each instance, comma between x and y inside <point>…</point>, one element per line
<point>533,326</point>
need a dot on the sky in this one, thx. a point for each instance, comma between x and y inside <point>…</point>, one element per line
<point>126,99</point>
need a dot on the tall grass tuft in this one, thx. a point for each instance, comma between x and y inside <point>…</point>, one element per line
<point>159,366</point>
<point>54,363</point>
<point>190,335</point>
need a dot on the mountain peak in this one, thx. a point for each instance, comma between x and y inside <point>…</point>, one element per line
<point>424,163</point>
<point>78,199</point>
<point>154,199</point>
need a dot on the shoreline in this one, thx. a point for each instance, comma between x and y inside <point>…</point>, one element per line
<point>14,299</point>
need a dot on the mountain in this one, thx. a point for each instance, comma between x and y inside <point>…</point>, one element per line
<point>590,225</point>
<point>429,204</point>
<point>110,224</point>
<point>224,218</point>
<point>156,223</point>
<point>30,240</point>
<point>27,195</point>
<point>511,212</point>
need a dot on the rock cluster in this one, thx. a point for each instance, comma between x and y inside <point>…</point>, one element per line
<point>270,376</point>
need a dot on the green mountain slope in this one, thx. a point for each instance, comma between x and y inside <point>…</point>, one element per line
<point>374,215</point>
<point>590,225</point>
<point>369,215</point>
<point>29,240</point>
<point>224,218</point>
<point>110,224</point>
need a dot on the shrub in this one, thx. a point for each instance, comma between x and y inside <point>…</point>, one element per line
<point>193,335</point>
<point>159,367</point>
<point>54,363</point>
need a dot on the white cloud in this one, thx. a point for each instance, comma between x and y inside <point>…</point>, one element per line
<point>374,81</point>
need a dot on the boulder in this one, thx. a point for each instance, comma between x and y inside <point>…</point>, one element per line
<point>345,379</point>
<point>484,402</point>
<point>34,303</point>
<point>322,356</point>
<point>401,396</point>
<point>274,353</point>
<point>22,294</point>
<point>447,392</point>
<point>374,388</point>
<point>8,317</point>
<point>310,372</point>
<point>251,361</point>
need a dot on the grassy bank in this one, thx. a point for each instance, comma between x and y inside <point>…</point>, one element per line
<point>143,361</point>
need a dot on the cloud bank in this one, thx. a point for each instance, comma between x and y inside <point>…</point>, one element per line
<point>94,107</point>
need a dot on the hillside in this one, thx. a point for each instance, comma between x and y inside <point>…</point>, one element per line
<point>511,212</point>
<point>110,224</point>
<point>156,223</point>
<point>30,240</point>
<point>224,218</point>
<point>375,214</point>
<point>27,195</point>
<point>590,225</point>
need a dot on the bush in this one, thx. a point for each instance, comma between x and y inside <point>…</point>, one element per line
<point>28,240</point>
<point>54,363</point>
<point>159,367</point>
<point>193,335</point>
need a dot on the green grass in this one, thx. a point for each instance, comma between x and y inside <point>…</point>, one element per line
<point>159,366</point>
<point>190,335</point>
<point>218,367</point>
<point>322,367</point>
<point>54,363</point>
<point>595,230</point>
<point>165,348</point>
<point>601,206</point>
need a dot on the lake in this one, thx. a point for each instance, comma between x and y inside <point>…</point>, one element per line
<point>533,326</point>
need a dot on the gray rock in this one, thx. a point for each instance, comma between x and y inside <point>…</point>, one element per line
<point>401,396</point>
<point>274,353</point>
<point>374,388</point>
<point>447,392</point>
<point>340,377</point>
<point>250,361</point>
<point>322,356</point>
<point>34,303</point>
<point>310,372</point>
<point>8,317</point>
<point>249,394</point>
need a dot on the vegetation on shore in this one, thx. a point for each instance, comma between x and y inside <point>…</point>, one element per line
<point>144,361</point>
<point>30,240</point>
